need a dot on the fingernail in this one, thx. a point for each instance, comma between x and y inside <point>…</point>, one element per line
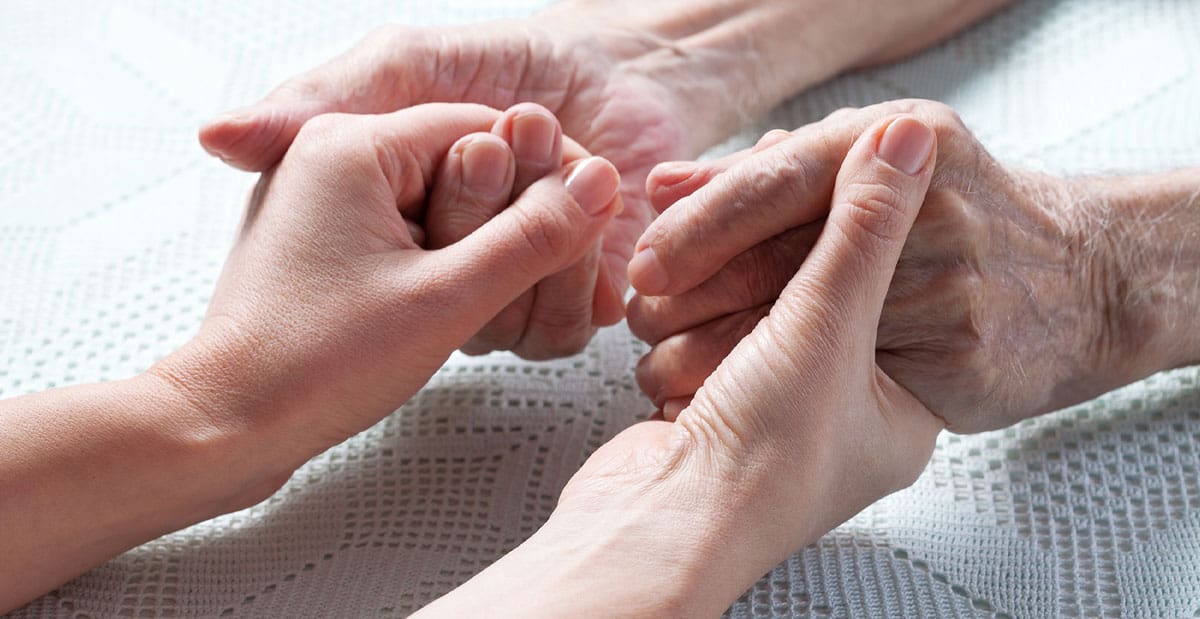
<point>906,145</point>
<point>485,167</point>
<point>647,274</point>
<point>675,170</point>
<point>533,136</point>
<point>593,183</point>
<point>620,208</point>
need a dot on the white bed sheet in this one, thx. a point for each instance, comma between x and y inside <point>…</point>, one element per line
<point>113,226</point>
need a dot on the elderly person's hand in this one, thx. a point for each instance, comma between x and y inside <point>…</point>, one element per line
<point>1012,297</point>
<point>635,82</point>
<point>796,430</point>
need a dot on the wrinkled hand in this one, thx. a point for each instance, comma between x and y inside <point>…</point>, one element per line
<point>329,315</point>
<point>992,315</point>
<point>795,431</point>
<point>614,110</point>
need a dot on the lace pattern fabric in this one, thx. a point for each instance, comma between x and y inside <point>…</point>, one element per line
<point>113,227</point>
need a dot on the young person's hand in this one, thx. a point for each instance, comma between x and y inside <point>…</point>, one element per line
<point>480,176</point>
<point>637,83</point>
<point>795,431</point>
<point>328,316</point>
<point>329,313</point>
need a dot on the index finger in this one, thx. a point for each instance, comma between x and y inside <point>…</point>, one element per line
<point>781,187</point>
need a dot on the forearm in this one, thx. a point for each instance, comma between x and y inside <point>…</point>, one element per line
<point>644,530</point>
<point>88,472</point>
<point>1145,233</point>
<point>733,60</point>
<point>622,565</point>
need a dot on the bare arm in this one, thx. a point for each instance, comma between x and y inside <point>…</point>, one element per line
<point>733,60</point>
<point>88,472</point>
<point>327,317</point>
<point>1144,232</point>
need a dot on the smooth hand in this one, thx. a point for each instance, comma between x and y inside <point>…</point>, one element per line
<point>1002,306</point>
<point>796,430</point>
<point>329,314</point>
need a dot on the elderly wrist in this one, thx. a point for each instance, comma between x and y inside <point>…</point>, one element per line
<point>722,63</point>
<point>1139,240</point>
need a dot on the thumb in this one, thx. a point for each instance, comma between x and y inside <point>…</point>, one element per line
<point>377,75</point>
<point>549,227</point>
<point>878,192</point>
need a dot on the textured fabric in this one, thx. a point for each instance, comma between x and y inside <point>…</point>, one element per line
<point>113,226</point>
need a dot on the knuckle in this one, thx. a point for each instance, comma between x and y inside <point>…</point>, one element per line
<point>329,137</point>
<point>840,114</point>
<point>568,343</point>
<point>454,224</point>
<point>546,233</point>
<point>796,168</point>
<point>503,332</point>
<point>781,179</point>
<point>771,138</point>
<point>876,209</point>
<point>645,318</point>
<point>943,112</point>
<point>941,117</point>
<point>563,324</point>
<point>648,374</point>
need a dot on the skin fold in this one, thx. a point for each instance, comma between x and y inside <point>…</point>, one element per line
<point>637,83</point>
<point>644,527</point>
<point>401,215</point>
<point>1017,294</point>
<point>327,316</point>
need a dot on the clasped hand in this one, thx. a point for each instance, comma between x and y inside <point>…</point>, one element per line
<point>373,250</point>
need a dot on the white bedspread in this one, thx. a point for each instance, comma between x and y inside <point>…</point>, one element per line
<point>113,225</point>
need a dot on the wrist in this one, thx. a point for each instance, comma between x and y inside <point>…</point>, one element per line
<point>720,64</point>
<point>572,568</point>
<point>730,61</point>
<point>1139,240</point>
<point>132,459</point>
<point>627,537</point>
<point>226,413</point>
<point>224,460</point>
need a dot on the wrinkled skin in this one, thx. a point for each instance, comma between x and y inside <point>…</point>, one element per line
<point>597,86</point>
<point>993,313</point>
<point>796,430</point>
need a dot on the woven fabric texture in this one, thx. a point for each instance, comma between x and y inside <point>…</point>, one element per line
<point>114,224</point>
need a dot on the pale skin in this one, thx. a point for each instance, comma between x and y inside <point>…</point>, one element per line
<point>329,314</point>
<point>635,82</point>
<point>1017,293</point>
<point>638,85</point>
<point>273,378</point>
<point>677,519</point>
